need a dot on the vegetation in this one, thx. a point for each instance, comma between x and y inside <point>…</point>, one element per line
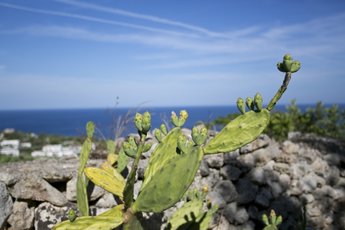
<point>327,121</point>
<point>171,168</point>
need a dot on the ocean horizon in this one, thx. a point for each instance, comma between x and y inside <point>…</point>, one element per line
<point>71,122</point>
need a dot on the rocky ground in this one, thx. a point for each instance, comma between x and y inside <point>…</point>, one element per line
<point>264,175</point>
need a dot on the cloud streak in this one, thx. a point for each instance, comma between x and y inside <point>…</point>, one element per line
<point>92,19</point>
<point>146,17</point>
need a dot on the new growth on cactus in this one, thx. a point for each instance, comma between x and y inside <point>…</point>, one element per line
<point>272,222</point>
<point>172,166</point>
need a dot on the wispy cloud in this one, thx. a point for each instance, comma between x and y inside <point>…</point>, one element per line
<point>146,17</point>
<point>93,19</point>
<point>314,38</point>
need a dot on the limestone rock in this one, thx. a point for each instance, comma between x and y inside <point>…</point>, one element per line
<point>246,191</point>
<point>6,204</point>
<point>235,214</point>
<point>227,190</point>
<point>35,188</point>
<point>261,142</point>
<point>230,172</point>
<point>22,216</point>
<point>47,215</point>
<point>215,160</point>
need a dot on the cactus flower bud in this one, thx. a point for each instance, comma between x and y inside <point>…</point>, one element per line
<point>199,135</point>
<point>138,120</point>
<point>147,147</point>
<point>174,119</point>
<point>146,123</point>
<point>183,115</point>
<point>164,129</point>
<point>258,101</point>
<point>265,219</point>
<point>288,65</point>
<point>90,129</point>
<point>249,103</point>
<point>71,215</point>
<point>130,147</point>
<point>241,105</point>
<point>158,134</point>
<point>184,145</point>
<point>205,189</point>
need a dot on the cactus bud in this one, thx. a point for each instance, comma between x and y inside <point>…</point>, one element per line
<point>138,120</point>
<point>205,189</point>
<point>250,103</point>
<point>158,134</point>
<point>265,219</point>
<point>130,147</point>
<point>273,217</point>
<point>174,119</point>
<point>179,121</point>
<point>146,123</point>
<point>90,129</point>
<point>258,101</point>
<point>184,145</point>
<point>183,117</point>
<point>71,215</point>
<point>240,105</point>
<point>199,135</point>
<point>279,220</point>
<point>147,147</point>
<point>288,65</point>
<point>164,129</point>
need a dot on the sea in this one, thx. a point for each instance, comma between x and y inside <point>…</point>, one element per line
<point>110,122</point>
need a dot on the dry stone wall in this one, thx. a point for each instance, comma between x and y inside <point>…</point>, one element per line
<point>264,175</point>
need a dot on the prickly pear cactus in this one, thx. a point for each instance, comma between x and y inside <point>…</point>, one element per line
<point>170,183</point>
<point>242,130</point>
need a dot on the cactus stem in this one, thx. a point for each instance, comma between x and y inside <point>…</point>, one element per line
<point>280,92</point>
<point>129,188</point>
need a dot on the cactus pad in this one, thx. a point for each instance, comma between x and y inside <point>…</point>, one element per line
<point>161,154</point>
<point>240,131</point>
<point>105,221</point>
<point>170,184</point>
<point>105,180</point>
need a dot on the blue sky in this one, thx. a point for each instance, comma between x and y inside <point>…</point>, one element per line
<point>85,54</point>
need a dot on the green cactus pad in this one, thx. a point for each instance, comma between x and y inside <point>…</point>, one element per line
<point>161,154</point>
<point>82,201</point>
<point>185,215</point>
<point>105,221</point>
<point>122,161</point>
<point>105,180</point>
<point>170,184</point>
<point>240,131</point>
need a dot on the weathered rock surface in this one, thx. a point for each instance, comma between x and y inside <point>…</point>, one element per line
<point>37,189</point>
<point>22,216</point>
<point>6,204</point>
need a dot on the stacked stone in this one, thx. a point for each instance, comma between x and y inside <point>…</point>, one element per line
<point>261,176</point>
<point>265,175</point>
